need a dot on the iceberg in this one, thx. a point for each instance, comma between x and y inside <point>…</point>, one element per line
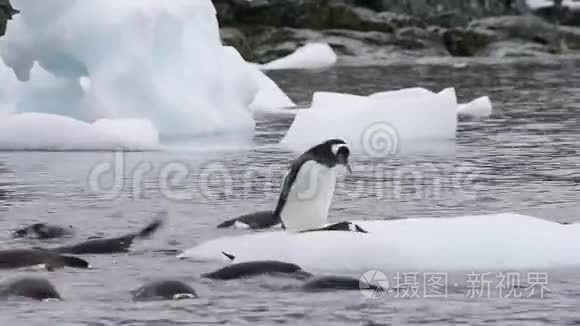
<point>158,61</point>
<point>504,241</point>
<point>309,56</point>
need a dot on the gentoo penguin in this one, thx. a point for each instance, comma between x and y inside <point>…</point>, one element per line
<point>164,290</point>
<point>110,245</point>
<point>255,268</point>
<point>43,231</point>
<point>29,287</point>
<point>258,220</point>
<point>19,258</point>
<point>308,187</point>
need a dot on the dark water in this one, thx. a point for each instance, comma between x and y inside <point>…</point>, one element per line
<point>522,159</point>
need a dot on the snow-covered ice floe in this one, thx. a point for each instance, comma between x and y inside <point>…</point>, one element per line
<point>380,124</point>
<point>156,60</point>
<point>309,56</point>
<point>481,243</point>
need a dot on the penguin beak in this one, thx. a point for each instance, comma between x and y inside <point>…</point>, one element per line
<point>343,159</point>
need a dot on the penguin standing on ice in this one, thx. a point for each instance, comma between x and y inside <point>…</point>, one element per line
<point>306,194</point>
<point>309,186</point>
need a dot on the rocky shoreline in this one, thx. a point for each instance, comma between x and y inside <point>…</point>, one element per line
<point>263,30</point>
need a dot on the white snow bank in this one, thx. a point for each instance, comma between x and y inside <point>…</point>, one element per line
<point>40,131</point>
<point>155,60</point>
<point>484,243</point>
<point>309,56</point>
<point>378,125</point>
<point>535,4</point>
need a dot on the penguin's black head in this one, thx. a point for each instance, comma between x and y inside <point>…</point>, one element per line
<point>338,152</point>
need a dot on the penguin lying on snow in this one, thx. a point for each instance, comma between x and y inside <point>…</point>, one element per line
<point>306,194</point>
<point>256,268</point>
<point>43,231</point>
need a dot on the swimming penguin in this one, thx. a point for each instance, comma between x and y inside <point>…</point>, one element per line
<point>256,268</point>
<point>164,290</point>
<point>43,231</point>
<point>19,258</point>
<point>308,187</point>
<point>328,283</point>
<point>29,287</point>
<point>110,245</point>
<point>258,220</point>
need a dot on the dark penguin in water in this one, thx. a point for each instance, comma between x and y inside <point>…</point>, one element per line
<point>36,288</point>
<point>333,283</point>
<point>20,258</point>
<point>110,245</point>
<point>43,231</point>
<point>256,268</point>
<point>164,290</point>
<point>306,193</point>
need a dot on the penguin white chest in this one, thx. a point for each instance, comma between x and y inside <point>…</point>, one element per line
<point>310,197</point>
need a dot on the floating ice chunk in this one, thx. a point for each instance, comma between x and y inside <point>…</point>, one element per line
<point>402,93</point>
<point>486,242</point>
<point>376,126</point>
<point>40,131</point>
<point>480,107</point>
<point>309,56</point>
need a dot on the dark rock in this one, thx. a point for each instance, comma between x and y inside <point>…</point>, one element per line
<point>562,15</point>
<point>532,29</point>
<point>460,10</point>
<point>353,47</point>
<point>467,42</point>
<point>236,38</point>
<point>318,15</point>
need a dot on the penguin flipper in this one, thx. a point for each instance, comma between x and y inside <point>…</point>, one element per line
<point>226,224</point>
